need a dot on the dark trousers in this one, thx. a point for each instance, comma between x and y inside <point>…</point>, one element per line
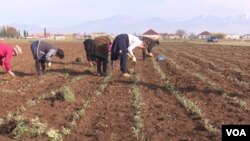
<point>39,63</point>
<point>102,66</point>
<point>40,66</point>
<point>145,50</point>
<point>144,54</point>
<point>123,62</point>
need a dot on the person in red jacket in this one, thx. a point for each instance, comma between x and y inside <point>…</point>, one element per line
<point>6,53</point>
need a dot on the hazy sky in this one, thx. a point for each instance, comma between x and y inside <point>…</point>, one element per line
<point>72,12</point>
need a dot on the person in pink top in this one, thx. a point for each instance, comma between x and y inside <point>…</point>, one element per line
<point>6,53</point>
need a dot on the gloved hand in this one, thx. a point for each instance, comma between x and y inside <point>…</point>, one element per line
<point>49,64</point>
<point>151,54</point>
<point>12,73</point>
<point>129,56</point>
<point>90,64</point>
<point>134,59</point>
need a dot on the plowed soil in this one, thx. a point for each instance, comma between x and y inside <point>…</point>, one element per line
<point>215,78</point>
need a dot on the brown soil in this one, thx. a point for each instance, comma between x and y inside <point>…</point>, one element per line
<point>111,115</point>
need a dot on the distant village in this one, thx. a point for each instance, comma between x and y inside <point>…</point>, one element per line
<point>12,32</point>
<point>150,33</point>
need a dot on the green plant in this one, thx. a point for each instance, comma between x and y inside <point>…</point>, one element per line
<point>187,104</point>
<point>54,135</point>
<point>65,94</point>
<point>37,128</point>
<point>23,127</point>
<point>138,128</point>
<point>20,129</point>
<point>66,131</point>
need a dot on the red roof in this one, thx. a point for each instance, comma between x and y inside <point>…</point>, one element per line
<point>205,33</point>
<point>150,32</point>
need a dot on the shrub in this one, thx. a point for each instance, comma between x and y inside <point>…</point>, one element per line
<point>65,94</point>
<point>19,127</point>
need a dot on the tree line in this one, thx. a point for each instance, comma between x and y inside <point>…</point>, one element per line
<point>12,32</point>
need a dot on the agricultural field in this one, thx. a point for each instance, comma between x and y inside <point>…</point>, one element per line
<point>188,97</point>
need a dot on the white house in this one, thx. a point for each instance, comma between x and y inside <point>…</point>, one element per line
<point>246,37</point>
<point>151,34</point>
<point>58,37</point>
<point>97,34</point>
<point>232,37</point>
<point>204,35</point>
<point>173,36</point>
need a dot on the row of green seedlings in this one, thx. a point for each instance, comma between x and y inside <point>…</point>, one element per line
<point>219,58</point>
<point>21,90</point>
<point>232,67</point>
<point>35,101</point>
<point>235,80</point>
<point>226,58</point>
<point>58,134</point>
<point>187,103</point>
<point>240,83</point>
<point>214,87</point>
<point>137,102</point>
<point>218,69</point>
<point>17,126</point>
<point>220,90</point>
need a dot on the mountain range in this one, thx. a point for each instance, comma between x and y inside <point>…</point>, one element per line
<point>238,24</point>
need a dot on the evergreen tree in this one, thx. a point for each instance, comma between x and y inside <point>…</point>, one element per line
<point>24,34</point>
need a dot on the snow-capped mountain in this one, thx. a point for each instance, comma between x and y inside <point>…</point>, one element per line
<point>131,24</point>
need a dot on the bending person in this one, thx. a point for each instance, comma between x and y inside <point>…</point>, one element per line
<point>122,47</point>
<point>6,53</point>
<point>42,53</point>
<point>150,44</point>
<point>97,50</point>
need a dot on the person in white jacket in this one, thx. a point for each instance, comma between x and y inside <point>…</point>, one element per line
<point>122,47</point>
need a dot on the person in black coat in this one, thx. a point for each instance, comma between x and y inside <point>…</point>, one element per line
<point>150,44</point>
<point>88,46</point>
<point>97,51</point>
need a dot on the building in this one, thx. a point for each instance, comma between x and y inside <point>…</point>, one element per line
<point>173,36</point>
<point>97,34</point>
<point>204,35</point>
<point>232,37</point>
<point>152,34</point>
<point>59,37</point>
<point>164,35</point>
<point>246,37</point>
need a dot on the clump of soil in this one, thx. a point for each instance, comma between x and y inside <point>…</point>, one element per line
<point>78,60</point>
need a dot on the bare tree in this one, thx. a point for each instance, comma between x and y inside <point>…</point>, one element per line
<point>192,36</point>
<point>45,32</point>
<point>181,33</point>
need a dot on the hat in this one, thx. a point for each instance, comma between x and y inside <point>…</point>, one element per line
<point>17,50</point>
